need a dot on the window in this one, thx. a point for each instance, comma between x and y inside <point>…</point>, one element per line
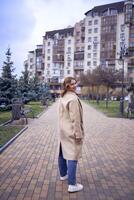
<point>31,66</point>
<point>89,39</point>
<point>132,35</point>
<point>95,39</point>
<point>78,33</point>
<point>95,14</point>
<point>90,23</point>
<point>69,41</point>
<point>122,36</point>
<point>88,63</point>
<point>131,44</point>
<point>96,30</point>
<point>48,51</point>
<point>95,21</point>
<point>82,48</point>
<point>69,49</point>
<point>95,46</point>
<point>90,30</point>
<point>77,41</point>
<point>68,71</point>
<point>68,64</point>
<point>94,54</point>
<point>48,57</point>
<point>89,47</point>
<point>113,11</point>
<point>105,13</point>
<point>94,63</point>
<point>48,65</point>
<point>89,55</point>
<point>48,43</point>
<point>122,27</point>
<point>31,59</point>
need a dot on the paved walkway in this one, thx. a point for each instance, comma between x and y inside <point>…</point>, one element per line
<point>28,167</point>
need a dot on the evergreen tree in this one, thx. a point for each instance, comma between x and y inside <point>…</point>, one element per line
<point>8,82</point>
<point>23,84</point>
<point>8,66</point>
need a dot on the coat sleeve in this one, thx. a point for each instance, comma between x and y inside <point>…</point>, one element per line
<point>75,115</point>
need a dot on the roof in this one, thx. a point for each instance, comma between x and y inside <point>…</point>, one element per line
<point>118,6</point>
<point>65,32</point>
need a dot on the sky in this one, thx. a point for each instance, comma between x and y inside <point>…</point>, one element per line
<point>23,23</point>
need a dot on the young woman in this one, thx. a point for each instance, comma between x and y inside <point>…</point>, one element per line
<point>71,133</point>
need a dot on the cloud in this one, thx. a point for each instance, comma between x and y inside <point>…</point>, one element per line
<point>24,22</point>
<point>16,21</point>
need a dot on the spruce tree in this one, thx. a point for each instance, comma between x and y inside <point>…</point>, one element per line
<point>8,82</point>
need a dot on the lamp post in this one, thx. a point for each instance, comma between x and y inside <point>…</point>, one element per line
<point>123,54</point>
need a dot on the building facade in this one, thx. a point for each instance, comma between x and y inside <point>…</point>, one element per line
<point>109,31</point>
<point>105,37</point>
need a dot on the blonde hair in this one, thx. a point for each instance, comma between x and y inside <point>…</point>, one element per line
<point>66,83</point>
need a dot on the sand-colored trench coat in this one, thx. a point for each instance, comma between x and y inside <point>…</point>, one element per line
<point>70,126</point>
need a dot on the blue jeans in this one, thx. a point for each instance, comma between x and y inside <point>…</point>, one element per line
<point>69,168</point>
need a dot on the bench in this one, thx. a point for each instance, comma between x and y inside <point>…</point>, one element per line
<point>25,111</point>
<point>19,111</point>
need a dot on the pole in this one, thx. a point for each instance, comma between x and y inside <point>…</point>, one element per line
<point>122,90</point>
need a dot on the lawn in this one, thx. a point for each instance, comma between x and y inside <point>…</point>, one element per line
<point>8,132</point>
<point>36,107</point>
<point>5,116</point>
<point>113,109</point>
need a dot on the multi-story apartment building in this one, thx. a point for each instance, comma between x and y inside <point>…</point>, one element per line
<point>59,54</point>
<point>35,63</point>
<point>109,35</point>
<point>39,63</point>
<point>129,20</point>
<point>79,45</point>
<point>29,64</point>
<point>105,35</point>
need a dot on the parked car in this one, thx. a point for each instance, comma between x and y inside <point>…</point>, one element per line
<point>113,98</point>
<point>126,98</point>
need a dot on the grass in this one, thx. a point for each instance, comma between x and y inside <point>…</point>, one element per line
<point>36,107</point>
<point>8,132</point>
<point>113,109</point>
<point>5,116</point>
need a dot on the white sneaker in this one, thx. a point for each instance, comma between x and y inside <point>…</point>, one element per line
<point>63,178</point>
<point>75,188</point>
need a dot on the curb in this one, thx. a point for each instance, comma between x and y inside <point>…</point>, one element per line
<point>12,139</point>
<point>39,115</point>
<point>5,123</point>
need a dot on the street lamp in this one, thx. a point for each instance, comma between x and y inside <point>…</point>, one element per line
<point>123,54</point>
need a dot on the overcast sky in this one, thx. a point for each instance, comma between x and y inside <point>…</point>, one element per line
<point>24,22</point>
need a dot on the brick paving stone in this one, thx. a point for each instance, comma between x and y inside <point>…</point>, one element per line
<point>29,171</point>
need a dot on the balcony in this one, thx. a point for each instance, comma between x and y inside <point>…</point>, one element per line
<point>78,67</point>
<point>79,55</point>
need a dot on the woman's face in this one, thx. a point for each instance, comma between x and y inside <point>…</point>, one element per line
<point>72,85</point>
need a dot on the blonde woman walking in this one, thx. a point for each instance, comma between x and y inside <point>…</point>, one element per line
<point>71,133</point>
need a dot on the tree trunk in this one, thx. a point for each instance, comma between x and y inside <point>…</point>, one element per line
<point>97,96</point>
<point>107,97</point>
<point>16,111</point>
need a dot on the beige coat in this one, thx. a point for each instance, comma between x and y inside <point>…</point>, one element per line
<point>71,125</point>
